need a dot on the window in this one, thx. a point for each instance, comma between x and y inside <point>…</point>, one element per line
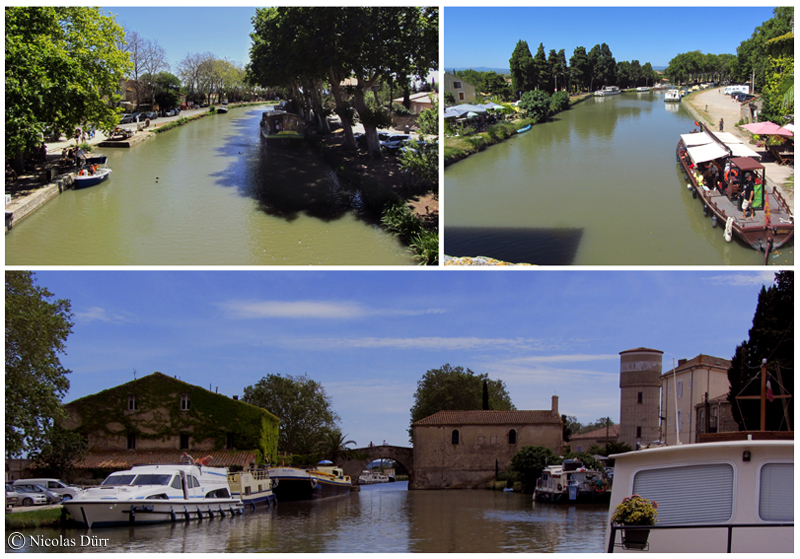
<point>454,436</point>
<point>680,389</point>
<point>176,483</point>
<point>184,402</point>
<point>639,398</point>
<point>229,441</point>
<point>461,96</point>
<point>493,439</point>
<point>638,432</point>
<point>512,436</point>
<point>457,85</point>
<point>776,493</point>
<point>132,404</point>
<point>689,494</point>
<point>184,441</point>
<point>131,441</point>
<point>680,421</point>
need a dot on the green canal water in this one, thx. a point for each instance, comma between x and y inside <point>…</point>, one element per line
<point>597,185</point>
<point>383,518</point>
<point>207,193</point>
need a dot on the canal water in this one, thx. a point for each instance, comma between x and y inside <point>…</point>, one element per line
<point>383,518</point>
<point>206,193</point>
<point>598,184</point>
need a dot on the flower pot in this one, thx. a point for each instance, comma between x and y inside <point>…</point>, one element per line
<point>635,539</point>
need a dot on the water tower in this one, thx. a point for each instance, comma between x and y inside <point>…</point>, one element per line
<point>640,395</point>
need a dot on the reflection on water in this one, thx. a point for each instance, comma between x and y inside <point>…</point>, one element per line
<point>518,245</point>
<point>381,518</point>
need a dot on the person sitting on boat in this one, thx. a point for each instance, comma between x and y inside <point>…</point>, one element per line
<point>747,195</point>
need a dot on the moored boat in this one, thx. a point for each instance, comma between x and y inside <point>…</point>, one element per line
<point>607,90</point>
<point>156,493</point>
<point>93,172</point>
<point>282,129</point>
<point>253,487</point>
<point>222,109</point>
<point>296,484</point>
<point>569,482</point>
<point>369,477</point>
<point>524,129</point>
<point>703,157</point>
<point>642,89</point>
<point>672,96</point>
<point>735,496</point>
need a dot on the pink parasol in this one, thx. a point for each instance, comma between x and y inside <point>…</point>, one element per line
<point>767,129</point>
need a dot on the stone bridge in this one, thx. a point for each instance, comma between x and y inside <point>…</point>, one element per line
<point>401,454</point>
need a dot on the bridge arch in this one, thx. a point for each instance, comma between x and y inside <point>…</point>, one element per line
<point>400,454</point>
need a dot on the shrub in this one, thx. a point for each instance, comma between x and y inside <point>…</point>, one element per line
<point>528,464</point>
<point>536,104</point>
<point>559,102</point>
<point>426,246</point>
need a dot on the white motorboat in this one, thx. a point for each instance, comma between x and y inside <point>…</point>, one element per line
<point>570,481</point>
<point>735,496</point>
<point>368,477</point>
<point>673,96</point>
<point>607,90</point>
<point>642,89</point>
<point>156,493</point>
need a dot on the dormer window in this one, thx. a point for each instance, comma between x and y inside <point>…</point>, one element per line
<point>184,402</point>
<point>132,404</point>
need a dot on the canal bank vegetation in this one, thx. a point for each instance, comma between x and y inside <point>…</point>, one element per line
<point>49,517</point>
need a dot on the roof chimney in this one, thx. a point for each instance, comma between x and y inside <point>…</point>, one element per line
<point>554,405</point>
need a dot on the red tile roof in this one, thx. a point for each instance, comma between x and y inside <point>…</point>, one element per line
<point>123,459</point>
<point>490,417</point>
<point>613,431</point>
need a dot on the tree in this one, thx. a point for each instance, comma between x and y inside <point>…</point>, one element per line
<point>333,446</point>
<point>454,388</point>
<point>63,450</point>
<point>772,338</point>
<point>571,426</point>
<point>528,464</point>
<point>579,70</point>
<point>559,102</point>
<point>302,406</point>
<point>166,89</point>
<point>521,64</point>
<point>541,70</point>
<point>63,65</point>
<point>536,104</point>
<point>428,120</point>
<point>36,332</point>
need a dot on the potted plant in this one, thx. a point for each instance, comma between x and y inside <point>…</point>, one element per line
<point>635,511</point>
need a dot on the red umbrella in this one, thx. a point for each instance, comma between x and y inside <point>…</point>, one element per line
<point>767,129</point>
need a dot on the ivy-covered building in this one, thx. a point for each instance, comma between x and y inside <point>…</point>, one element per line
<point>157,418</point>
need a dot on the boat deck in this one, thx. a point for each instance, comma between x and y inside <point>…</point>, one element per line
<point>777,213</point>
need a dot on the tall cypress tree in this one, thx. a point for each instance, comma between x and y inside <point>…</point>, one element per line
<point>521,63</point>
<point>770,338</point>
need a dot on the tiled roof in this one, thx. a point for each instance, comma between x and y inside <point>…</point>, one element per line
<point>702,361</point>
<point>613,431</point>
<point>123,459</point>
<point>490,417</point>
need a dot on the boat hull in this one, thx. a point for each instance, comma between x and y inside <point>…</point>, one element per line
<point>100,513</point>
<point>564,497</point>
<point>91,180</point>
<point>294,484</point>
<point>757,236</point>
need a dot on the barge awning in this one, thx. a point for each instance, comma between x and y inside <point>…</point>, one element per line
<point>708,152</point>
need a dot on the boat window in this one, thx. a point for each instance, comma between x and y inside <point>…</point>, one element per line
<point>193,482</point>
<point>221,493</point>
<point>689,494</point>
<point>176,483</point>
<point>152,479</point>
<point>776,494</point>
<point>118,479</point>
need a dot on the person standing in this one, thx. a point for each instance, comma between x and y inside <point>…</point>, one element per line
<point>747,195</point>
<point>720,125</point>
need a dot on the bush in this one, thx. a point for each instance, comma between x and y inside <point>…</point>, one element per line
<point>426,246</point>
<point>559,102</point>
<point>536,104</point>
<point>421,162</point>
<point>428,120</point>
<point>528,464</point>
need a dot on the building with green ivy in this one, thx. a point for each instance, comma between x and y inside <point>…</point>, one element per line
<point>158,418</point>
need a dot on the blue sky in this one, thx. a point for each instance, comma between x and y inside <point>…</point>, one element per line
<point>223,31</point>
<point>475,37</point>
<point>369,336</point>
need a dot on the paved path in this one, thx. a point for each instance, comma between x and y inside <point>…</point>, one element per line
<point>713,104</point>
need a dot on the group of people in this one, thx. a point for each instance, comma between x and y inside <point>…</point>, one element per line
<point>712,175</point>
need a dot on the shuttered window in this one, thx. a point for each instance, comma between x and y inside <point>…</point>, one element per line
<point>698,494</point>
<point>776,494</point>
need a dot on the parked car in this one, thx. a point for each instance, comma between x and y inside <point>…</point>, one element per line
<point>152,115</point>
<point>395,142</point>
<point>29,498</point>
<point>127,119</point>
<point>171,112</point>
<point>361,138</point>
<point>52,497</point>
<point>51,484</point>
<point>12,497</point>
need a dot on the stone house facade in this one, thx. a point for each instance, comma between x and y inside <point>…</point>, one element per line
<point>465,449</point>
<point>462,91</point>
<point>157,418</point>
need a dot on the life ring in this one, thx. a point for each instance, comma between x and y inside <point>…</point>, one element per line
<point>313,483</point>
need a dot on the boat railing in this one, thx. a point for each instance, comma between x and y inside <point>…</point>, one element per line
<point>612,543</point>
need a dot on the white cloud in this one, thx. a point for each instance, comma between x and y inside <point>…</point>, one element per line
<point>743,279</point>
<point>533,359</point>
<point>312,309</point>
<point>427,343</point>
<point>98,313</point>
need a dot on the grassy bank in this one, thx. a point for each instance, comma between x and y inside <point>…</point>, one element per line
<point>34,519</point>
<point>457,148</point>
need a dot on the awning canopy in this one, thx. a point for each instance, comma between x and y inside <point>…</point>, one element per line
<point>728,138</point>
<point>462,110</point>
<point>741,150</point>
<point>708,152</point>
<point>696,139</point>
<point>746,163</point>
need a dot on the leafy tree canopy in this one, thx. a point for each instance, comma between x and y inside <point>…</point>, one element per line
<point>456,388</point>
<point>333,446</point>
<point>529,462</point>
<point>302,406</point>
<point>536,104</point>
<point>63,64</point>
<point>36,331</point>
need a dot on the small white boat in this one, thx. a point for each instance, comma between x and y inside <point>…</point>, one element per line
<point>570,481</point>
<point>642,89</point>
<point>713,497</point>
<point>253,487</point>
<point>607,90</point>
<point>673,96</point>
<point>222,109</point>
<point>368,477</point>
<point>156,493</point>
<point>93,172</point>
